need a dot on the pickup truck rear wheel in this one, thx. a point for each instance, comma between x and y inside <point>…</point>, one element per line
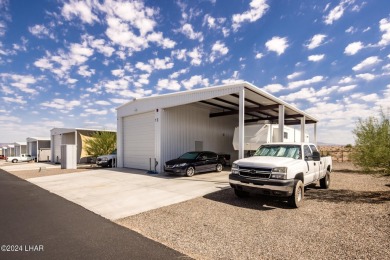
<point>14,161</point>
<point>325,182</point>
<point>296,198</point>
<point>240,193</point>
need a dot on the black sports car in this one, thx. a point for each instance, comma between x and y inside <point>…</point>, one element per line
<point>193,162</point>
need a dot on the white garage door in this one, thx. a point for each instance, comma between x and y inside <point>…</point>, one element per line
<point>138,139</point>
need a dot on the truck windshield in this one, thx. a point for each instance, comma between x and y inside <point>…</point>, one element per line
<point>290,151</point>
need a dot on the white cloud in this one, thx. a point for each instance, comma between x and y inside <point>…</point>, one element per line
<point>168,84</point>
<point>300,83</point>
<point>273,88</point>
<point>165,43</point>
<point>337,12</point>
<point>83,71</point>
<point>80,9</point>
<point>92,111</point>
<point>219,49</point>
<point>179,54</point>
<point>196,56</point>
<point>143,66</point>
<point>277,44</point>
<point>259,56</point>
<point>346,88</point>
<point>62,104</point>
<point>351,30</point>
<point>384,26</point>
<point>315,58</point>
<point>189,32</point>
<point>366,76</point>
<point>119,100</point>
<point>370,61</point>
<point>102,103</point>
<point>353,48</point>
<point>161,64</point>
<point>294,75</point>
<point>43,63</point>
<point>346,80</point>
<point>21,82</point>
<point>195,80</point>
<point>40,31</point>
<point>118,72</point>
<point>257,9</point>
<point>17,99</point>
<point>101,46</point>
<point>178,73</point>
<point>370,97</point>
<point>316,41</point>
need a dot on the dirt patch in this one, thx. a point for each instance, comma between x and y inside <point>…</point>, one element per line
<point>351,220</point>
<point>45,172</point>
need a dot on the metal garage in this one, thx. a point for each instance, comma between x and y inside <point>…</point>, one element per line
<point>20,148</point>
<point>39,147</point>
<point>161,128</point>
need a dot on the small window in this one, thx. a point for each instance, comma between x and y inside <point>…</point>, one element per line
<point>313,148</point>
<point>307,151</point>
<point>285,135</point>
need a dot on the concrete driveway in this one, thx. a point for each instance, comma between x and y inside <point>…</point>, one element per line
<point>117,193</point>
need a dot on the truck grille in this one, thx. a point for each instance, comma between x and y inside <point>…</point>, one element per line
<point>263,173</point>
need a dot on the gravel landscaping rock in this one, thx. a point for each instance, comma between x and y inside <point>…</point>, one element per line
<point>351,220</point>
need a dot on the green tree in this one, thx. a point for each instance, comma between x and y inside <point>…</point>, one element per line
<point>372,144</point>
<point>100,143</point>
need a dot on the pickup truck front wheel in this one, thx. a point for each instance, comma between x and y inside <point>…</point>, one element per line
<point>296,199</point>
<point>325,182</point>
<point>14,161</point>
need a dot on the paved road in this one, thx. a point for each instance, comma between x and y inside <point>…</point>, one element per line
<point>32,218</point>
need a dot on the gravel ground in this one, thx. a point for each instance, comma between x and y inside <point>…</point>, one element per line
<point>351,220</point>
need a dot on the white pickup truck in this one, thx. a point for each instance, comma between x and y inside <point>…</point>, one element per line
<point>21,158</point>
<point>281,169</point>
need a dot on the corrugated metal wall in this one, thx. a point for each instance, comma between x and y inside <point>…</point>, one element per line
<point>182,126</point>
<point>56,148</point>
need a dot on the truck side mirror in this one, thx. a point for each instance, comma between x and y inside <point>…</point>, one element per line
<point>316,156</point>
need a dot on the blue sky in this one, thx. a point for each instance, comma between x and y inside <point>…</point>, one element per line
<point>71,63</point>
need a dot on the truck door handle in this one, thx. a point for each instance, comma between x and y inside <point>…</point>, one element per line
<point>315,164</point>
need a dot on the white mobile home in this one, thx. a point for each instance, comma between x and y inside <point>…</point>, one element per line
<point>10,150</point>
<point>39,147</point>
<point>160,128</point>
<point>73,136</point>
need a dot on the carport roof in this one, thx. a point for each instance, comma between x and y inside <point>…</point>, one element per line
<point>223,100</point>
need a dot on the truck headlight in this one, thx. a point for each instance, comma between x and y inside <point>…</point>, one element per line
<point>235,168</point>
<point>279,173</point>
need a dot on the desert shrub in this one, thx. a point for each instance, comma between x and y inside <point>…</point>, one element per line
<point>372,144</point>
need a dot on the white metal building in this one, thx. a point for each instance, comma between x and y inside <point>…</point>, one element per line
<point>60,136</point>
<point>39,147</point>
<point>10,150</point>
<point>160,128</point>
<point>20,148</point>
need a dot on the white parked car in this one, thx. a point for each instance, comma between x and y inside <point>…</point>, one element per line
<point>281,169</point>
<point>21,158</point>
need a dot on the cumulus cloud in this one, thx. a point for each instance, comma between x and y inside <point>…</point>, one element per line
<point>40,31</point>
<point>80,9</point>
<point>277,44</point>
<point>346,88</point>
<point>366,76</point>
<point>300,83</point>
<point>370,61</point>
<point>196,56</point>
<point>294,75</point>
<point>353,48</point>
<point>337,12</point>
<point>257,9</point>
<point>384,26</point>
<point>189,32</point>
<point>273,88</point>
<point>62,104</point>
<point>217,50</point>
<point>194,81</point>
<point>315,58</point>
<point>168,84</point>
<point>370,97</point>
<point>316,41</point>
